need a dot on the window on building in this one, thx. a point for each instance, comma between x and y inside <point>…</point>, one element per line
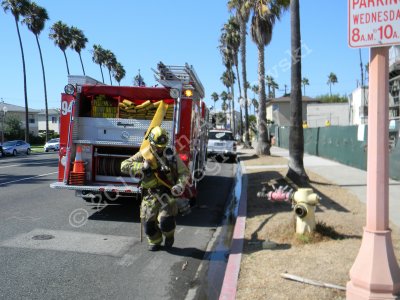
<point>54,120</point>
<point>31,119</point>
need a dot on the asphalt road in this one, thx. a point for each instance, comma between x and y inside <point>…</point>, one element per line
<point>54,245</point>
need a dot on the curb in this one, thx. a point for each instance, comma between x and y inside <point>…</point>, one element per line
<point>229,285</point>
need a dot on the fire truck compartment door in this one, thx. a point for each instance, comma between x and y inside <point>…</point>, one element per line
<point>128,131</point>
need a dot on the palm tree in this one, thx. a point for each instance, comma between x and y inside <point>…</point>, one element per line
<point>242,14</point>
<point>296,170</point>
<point>305,82</point>
<point>110,61</point>
<point>228,78</point>
<point>98,57</point>
<point>78,43</point>
<point>118,72</point>
<point>274,86</point>
<point>265,12</point>
<point>35,20</point>
<point>332,79</point>
<point>60,33</point>
<point>224,106</point>
<point>18,8</point>
<point>254,89</point>
<point>269,80</point>
<point>215,98</point>
<point>229,47</point>
<point>138,80</point>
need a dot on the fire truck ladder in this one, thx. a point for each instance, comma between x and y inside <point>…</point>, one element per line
<point>177,76</point>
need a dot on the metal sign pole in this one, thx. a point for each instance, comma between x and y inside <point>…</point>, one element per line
<point>375,273</point>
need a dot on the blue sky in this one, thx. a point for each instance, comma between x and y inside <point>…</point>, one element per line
<point>142,33</point>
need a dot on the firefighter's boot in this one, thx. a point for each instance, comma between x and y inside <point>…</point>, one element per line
<point>154,247</point>
<point>154,236</point>
<point>169,241</point>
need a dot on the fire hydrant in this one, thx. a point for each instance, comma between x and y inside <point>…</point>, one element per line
<point>305,201</point>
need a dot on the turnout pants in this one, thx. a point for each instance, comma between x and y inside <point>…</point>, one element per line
<point>158,211</point>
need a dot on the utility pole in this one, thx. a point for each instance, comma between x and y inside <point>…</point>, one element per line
<point>362,71</point>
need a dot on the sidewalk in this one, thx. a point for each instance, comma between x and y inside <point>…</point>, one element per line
<point>328,259</point>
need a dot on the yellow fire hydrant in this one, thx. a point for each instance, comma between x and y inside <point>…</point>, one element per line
<point>305,201</point>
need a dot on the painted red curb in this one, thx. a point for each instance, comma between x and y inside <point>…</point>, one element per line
<point>229,285</point>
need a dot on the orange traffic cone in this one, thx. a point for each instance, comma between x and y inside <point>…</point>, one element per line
<point>79,165</point>
<point>77,176</point>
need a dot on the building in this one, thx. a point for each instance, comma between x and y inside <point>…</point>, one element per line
<point>358,106</point>
<point>278,109</point>
<point>359,97</point>
<point>10,110</point>
<point>54,120</point>
<point>335,114</point>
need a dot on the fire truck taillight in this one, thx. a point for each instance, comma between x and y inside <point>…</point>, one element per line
<point>184,157</point>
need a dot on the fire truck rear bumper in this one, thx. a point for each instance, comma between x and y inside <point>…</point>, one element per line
<point>97,188</point>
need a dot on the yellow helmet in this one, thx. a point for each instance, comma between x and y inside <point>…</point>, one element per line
<point>158,137</point>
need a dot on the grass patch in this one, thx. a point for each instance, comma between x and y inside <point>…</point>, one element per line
<point>37,148</point>
<point>323,232</point>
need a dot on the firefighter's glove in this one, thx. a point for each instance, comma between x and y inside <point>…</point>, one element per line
<point>146,165</point>
<point>177,190</point>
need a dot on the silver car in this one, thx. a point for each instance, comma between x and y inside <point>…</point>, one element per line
<point>53,144</point>
<point>222,143</point>
<point>15,147</point>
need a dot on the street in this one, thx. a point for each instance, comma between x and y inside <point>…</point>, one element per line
<point>54,245</point>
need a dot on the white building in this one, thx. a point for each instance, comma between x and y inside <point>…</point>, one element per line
<point>319,113</point>
<point>358,105</point>
<point>54,120</point>
<point>18,112</point>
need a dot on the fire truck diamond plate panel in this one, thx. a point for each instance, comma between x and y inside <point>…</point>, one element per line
<point>129,131</point>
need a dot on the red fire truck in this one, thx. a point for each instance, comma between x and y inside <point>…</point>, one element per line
<point>102,125</point>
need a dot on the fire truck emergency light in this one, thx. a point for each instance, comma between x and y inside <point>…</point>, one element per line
<point>188,93</point>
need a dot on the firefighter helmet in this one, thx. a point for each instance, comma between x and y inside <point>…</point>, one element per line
<point>158,137</point>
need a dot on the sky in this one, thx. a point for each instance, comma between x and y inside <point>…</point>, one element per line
<point>142,33</point>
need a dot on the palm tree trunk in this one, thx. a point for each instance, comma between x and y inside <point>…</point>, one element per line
<point>296,170</point>
<point>304,88</point>
<point>101,70</point>
<point>244,76</point>
<point>240,96</point>
<point>233,111</point>
<point>66,61</point>
<point>45,89</point>
<point>109,72</point>
<point>25,86</point>
<point>83,69</point>
<point>263,144</point>
<point>330,89</point>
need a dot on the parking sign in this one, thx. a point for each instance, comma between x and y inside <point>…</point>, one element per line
<point>374,23</point>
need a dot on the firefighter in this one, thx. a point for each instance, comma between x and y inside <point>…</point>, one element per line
<point>161,184</point>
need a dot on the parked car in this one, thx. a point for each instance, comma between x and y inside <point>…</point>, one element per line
<point>15,147</point>
<point>2,151</point>
<point>221,142</point>
<point>53,144</point>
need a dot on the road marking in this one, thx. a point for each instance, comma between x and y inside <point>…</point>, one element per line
<point>73,241</point>
<point>27,178</point>
<point>10,166</point>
